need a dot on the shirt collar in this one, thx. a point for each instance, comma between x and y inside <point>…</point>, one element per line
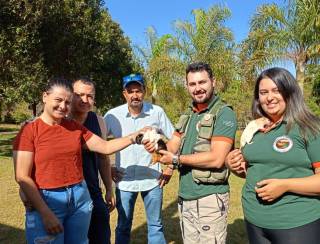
<point>144,110</point>
<point>201,107</point>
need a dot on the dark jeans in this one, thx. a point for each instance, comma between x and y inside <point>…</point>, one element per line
<point>306,234</point>
<point>99,230</point>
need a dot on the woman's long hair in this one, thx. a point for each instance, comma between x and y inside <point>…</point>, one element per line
<point>296,110</point>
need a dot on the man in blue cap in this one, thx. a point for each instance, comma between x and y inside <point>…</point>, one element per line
<point>134,161</point>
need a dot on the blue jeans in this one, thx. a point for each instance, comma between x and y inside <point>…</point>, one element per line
<point>125,202</point>
<point>72,206</point>
<point>99,230</point>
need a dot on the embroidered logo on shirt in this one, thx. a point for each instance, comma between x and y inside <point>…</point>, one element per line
<point>228,123</point>
<point>282,144</point>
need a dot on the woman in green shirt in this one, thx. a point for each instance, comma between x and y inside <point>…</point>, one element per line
<point>280,159</point>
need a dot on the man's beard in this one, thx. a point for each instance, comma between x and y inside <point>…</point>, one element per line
<point>136,104</point>
<point>205,99</point>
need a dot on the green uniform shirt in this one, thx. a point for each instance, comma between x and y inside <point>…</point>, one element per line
<point>225,126</point>
<point>277,155</point>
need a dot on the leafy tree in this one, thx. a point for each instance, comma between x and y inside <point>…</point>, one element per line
<point>165,57</point>
<point>312,87</point>
<point>278,33</point>
<point>164,73</point>
<point>208,39</point>
<point>70,38</point>
<point>158,48</point>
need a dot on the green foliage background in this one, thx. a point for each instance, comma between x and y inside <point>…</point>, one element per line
<point>73,38</point>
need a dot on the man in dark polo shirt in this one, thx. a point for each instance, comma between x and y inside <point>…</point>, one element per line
<point>204,136</point>
<point>94,163</point>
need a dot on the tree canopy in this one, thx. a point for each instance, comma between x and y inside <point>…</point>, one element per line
<point>290,32</point>
<point>72,38</point>
<point>69,38</point>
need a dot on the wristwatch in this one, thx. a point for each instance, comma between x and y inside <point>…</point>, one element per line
<point>176,161</point>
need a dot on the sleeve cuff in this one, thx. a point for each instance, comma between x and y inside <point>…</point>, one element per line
<point>316,165</point>
<point>223,138</point>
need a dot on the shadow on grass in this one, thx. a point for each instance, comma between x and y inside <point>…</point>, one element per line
<point>6,146</point>
<point>9,127</point>
<point>237,233</point>
<point>11,235</point>
<point>170,223</point>
<point>4,129</point>
<point>236,230</point>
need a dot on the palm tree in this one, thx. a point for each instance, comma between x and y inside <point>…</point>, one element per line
<point>284,33</point>
<point>155,58</point>
<point>208,39</point>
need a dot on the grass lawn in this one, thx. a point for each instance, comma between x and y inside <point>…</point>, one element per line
<point>12,210</point>
<point>9,127</point>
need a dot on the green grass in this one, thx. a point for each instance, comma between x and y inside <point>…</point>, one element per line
<point>9,127</point>
<point>7,134</point>
<point>236,231</point>
<point>12,210</point>
<point>6,145</point>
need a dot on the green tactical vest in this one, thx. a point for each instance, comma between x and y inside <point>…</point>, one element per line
<point>203,143</point>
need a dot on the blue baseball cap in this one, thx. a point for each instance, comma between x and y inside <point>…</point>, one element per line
<point>132,78</point>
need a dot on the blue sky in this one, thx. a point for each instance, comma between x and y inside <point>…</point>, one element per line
<point>135,16</point>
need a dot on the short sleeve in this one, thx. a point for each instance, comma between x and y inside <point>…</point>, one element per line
<point>24,140</point>
<point>165,124</point>
<point>108,120</point>
<point>86,134</point>
<point>226,124</point>
<point>313,150</point>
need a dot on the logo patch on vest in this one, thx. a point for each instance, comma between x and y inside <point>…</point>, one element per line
<point>207,117</point>
<point>282,144</point>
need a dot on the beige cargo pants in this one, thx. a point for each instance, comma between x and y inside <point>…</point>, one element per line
<point>204,221</point>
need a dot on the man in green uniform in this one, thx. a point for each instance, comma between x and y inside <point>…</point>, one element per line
<point>203,138</point>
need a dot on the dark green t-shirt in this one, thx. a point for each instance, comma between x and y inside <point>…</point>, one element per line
<point>225,126</point>
<point>278,155</point>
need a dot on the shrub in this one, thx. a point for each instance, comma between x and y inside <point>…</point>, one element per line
<point>21,113</point>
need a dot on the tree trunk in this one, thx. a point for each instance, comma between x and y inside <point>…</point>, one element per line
<point>34,109</point>
<point>300,64</point>
<point>300,75</point>
<point>154,93</point>
<point>0,111</point>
